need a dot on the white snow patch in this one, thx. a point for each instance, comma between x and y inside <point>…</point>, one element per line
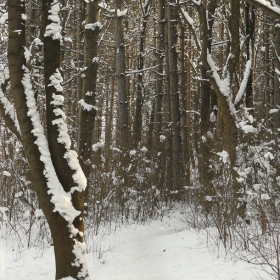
<point>79,176</point>
<point>67,39</point>
<point>188,18</point>
<point>39,213</point>
<point>81,258</point>
<point>144,149</point>
<point>121,13</point>
<point>27,54</point>
<point>3,18</point>
<point>6,174</point>
<point>224,156</point>
<point>265,196</point>
<point>197,2</point>
<point>157,250</point>
<point>93,26</point>
<point>95,60</point>
<point>23,16</point>
<point>212,117</point>
<point>56,81</point>
<point>63,136</point>
<point>61,200</point>
<point>248,128</point>
<point>97,146</point>
<point>132,153</point>
<point>258,187</point>
<point>87,106</point>
<point>162,138</point>
<point>3,217</point>
<point>53,29</point>
<point>223,84</point>
<point>89,93</point>
<point>272,111</point>
<point>268,5</point>
<point>244,82</point>
<point>9,108</point>
<point>268,155</point>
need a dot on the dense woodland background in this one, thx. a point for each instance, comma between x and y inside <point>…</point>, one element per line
<point>166,102</point>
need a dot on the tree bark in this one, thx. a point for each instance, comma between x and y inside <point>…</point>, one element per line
<point>51,75</point>
<point>137,122</point>
<point>66,227</point>
<point>123,127</point>
<point>172,22</point>
<point>87,103</point>
<point>250,33</point>
<point>226,107</point>
<point>159,78</point>
<point>206,145</point>
<point>276,42</point>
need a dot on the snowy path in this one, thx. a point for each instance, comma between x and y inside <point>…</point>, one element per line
<point>158,251</point>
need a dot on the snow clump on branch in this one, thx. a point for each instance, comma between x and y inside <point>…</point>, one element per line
<point>53,29</point>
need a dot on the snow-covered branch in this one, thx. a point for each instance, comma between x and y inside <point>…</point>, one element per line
<point>130,72</point>
<point>244,82</point>
<point>61,200</point>
<point>197,2</point>
<point>222,84</point>
<point>190,22</point>
<point>120,13</point>
<point>8,111</point>
<point>266,7</point>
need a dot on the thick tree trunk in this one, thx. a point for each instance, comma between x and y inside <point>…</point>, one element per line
<point>53,91</point>
<point>123,128</point>
<point>109,123</point>
<point>65,217</point>
<point>276,41</point>
<point>266,72</point>
<point>172,18</point>
<point>206,145</point>
<point>137,122</point>
<point>87,103</point>
<point>184,103</point>
<point>226,107</point>
<point>159,82</point>
<point>250,33</point>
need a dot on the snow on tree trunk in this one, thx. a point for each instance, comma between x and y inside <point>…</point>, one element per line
<point>56,173</point>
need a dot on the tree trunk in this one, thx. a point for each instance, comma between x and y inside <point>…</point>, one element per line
<point>123,128</point>
<point>250,31</point>
<point>172,19</point>
<point>64,214</point>
<point>266,72</point>
<point>159,78</point>
<point>137,122</point>
<point>206,145</point>
<point>87,108</point>
<point>276,41</point>
<point>226,107</point>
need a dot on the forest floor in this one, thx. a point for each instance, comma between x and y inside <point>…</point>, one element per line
<point>158,250</point>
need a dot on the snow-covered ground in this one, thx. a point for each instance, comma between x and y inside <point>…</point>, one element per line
<point>159,250</point>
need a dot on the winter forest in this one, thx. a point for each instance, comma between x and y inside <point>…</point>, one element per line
<point>121,112</point>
